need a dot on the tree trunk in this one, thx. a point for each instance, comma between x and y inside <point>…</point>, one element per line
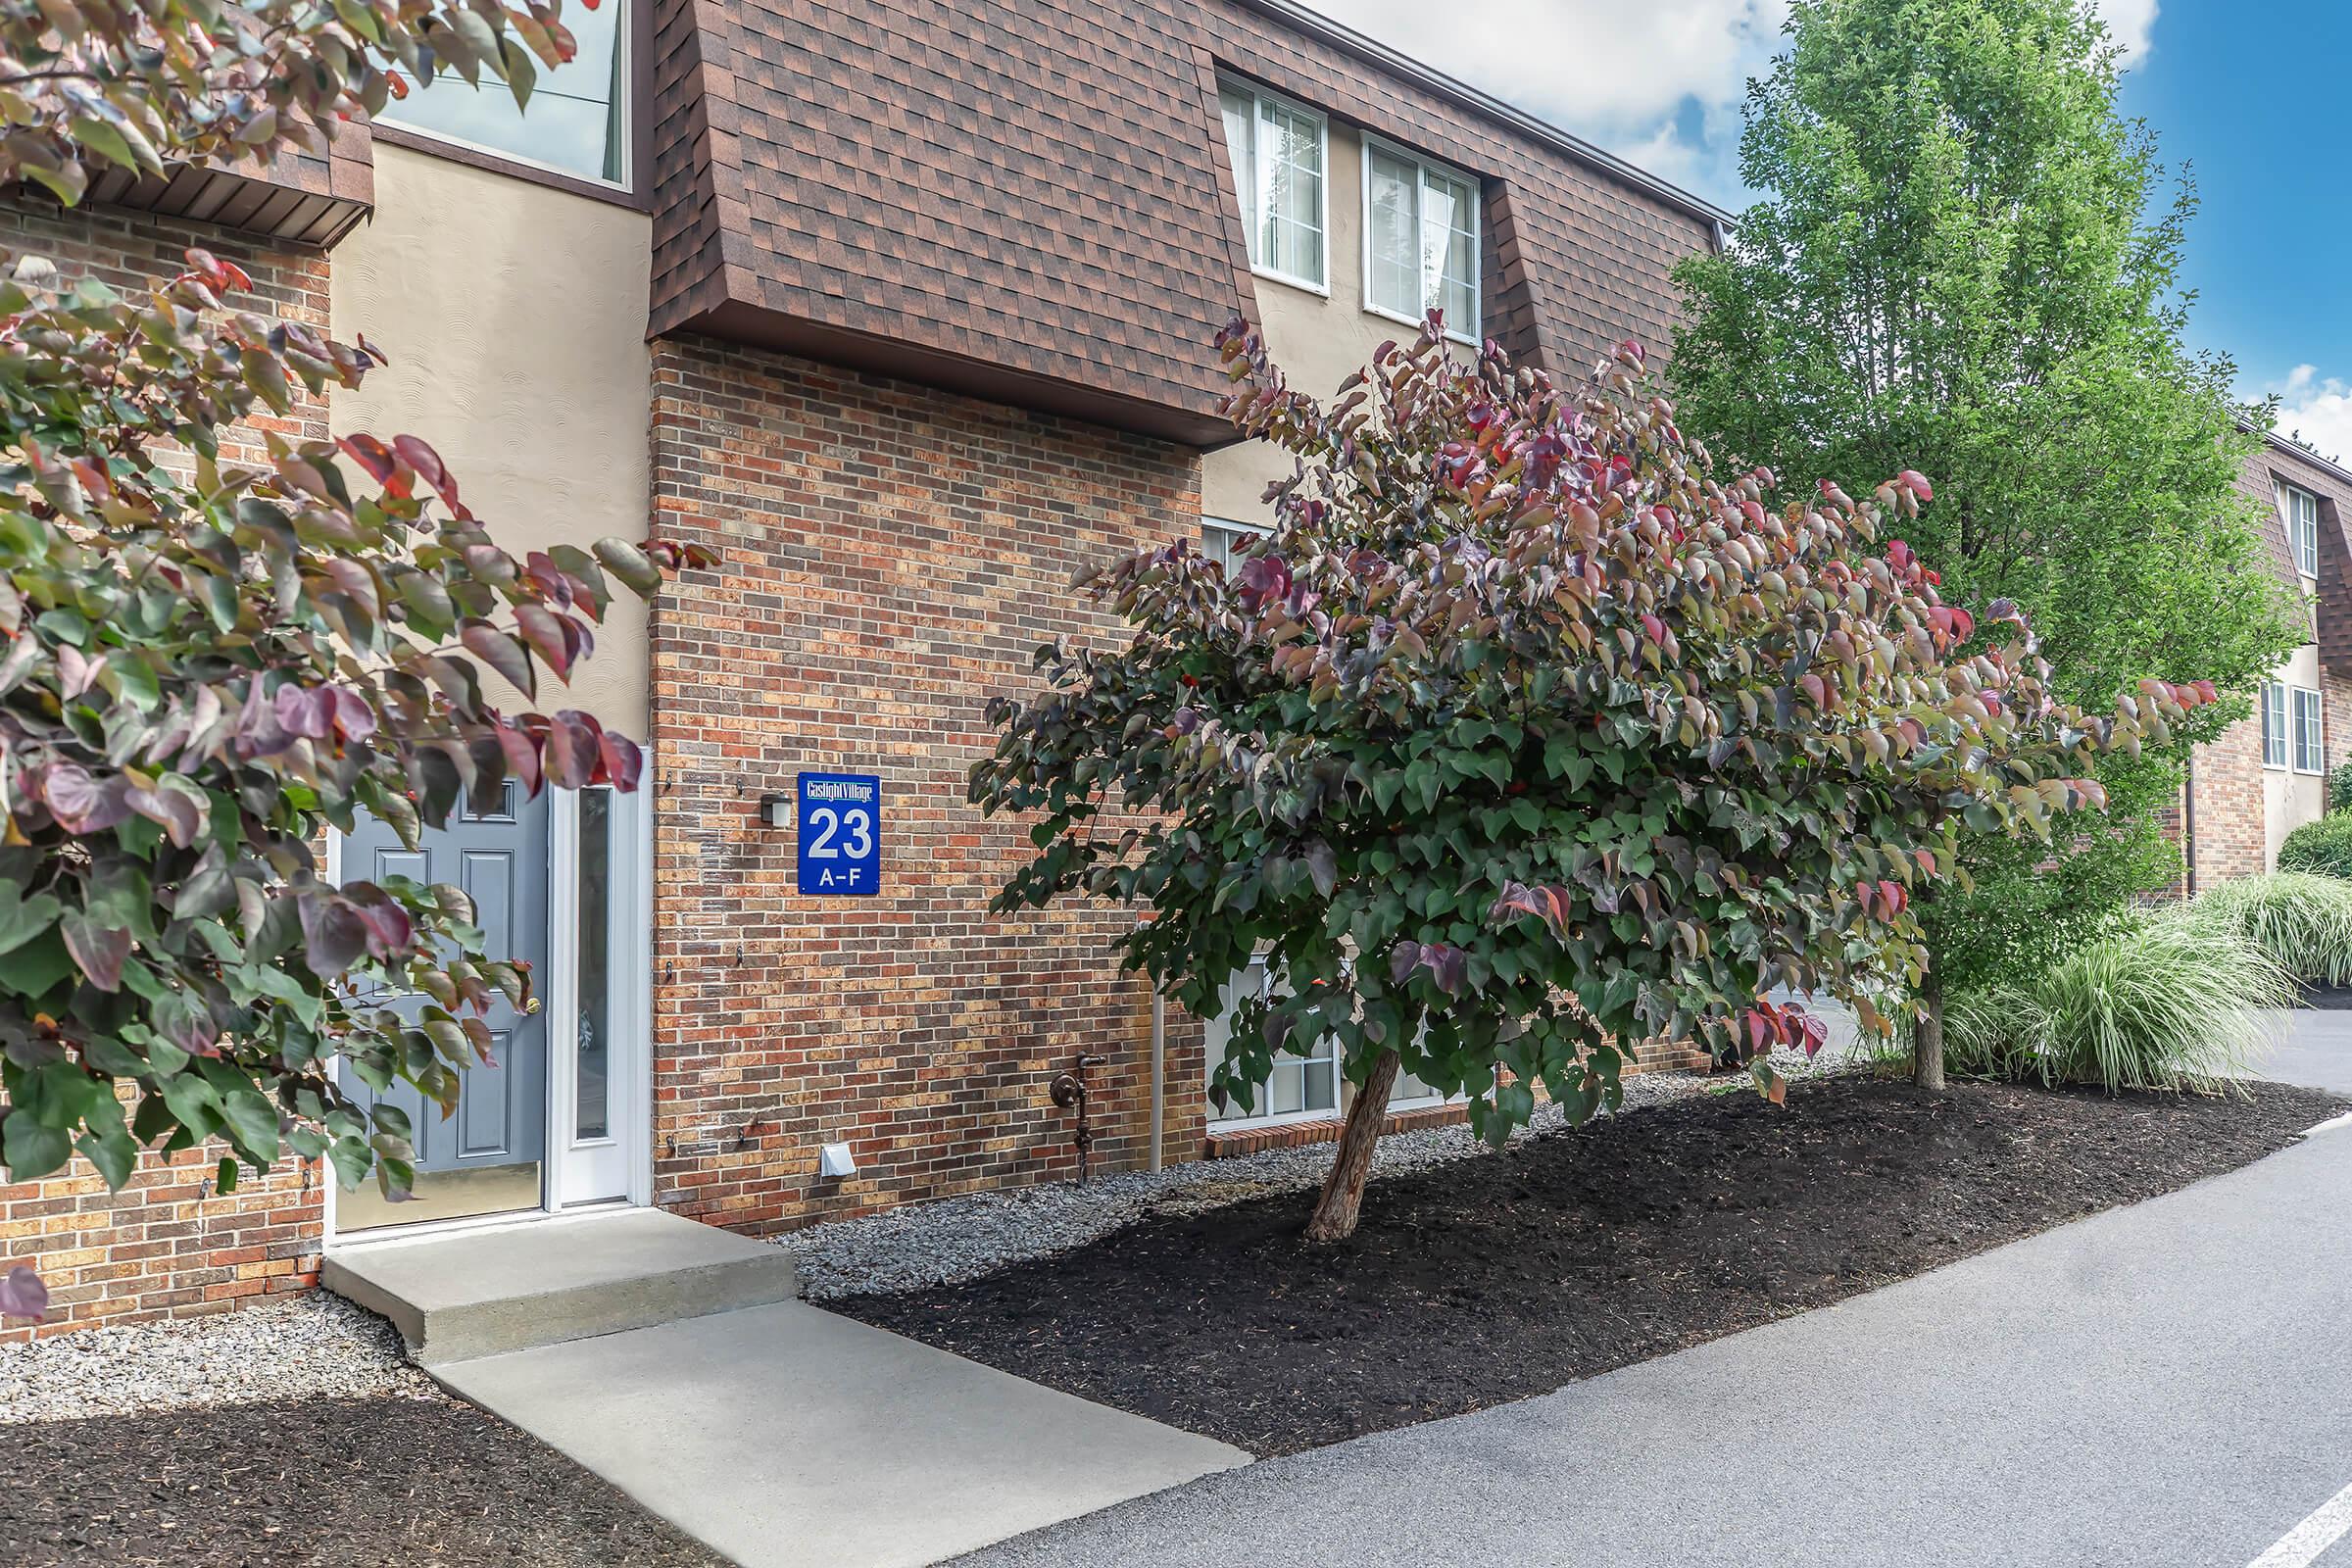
<point>1926,1050</point>
<point>1342,1200</point>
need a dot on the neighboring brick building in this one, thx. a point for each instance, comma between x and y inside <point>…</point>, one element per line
<point>2265,775</point>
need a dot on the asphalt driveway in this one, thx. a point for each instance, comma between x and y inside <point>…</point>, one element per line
<point>2168,1384</point>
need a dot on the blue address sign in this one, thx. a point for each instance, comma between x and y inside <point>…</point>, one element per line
<point>841,834</point>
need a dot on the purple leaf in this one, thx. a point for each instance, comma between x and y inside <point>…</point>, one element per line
<point>98,950</point>
<point>1403,959</point>
<point>502,653</point>
<point>259,733</point>
<point>622,763</point>
<point>307,711</point>
<point>22,1294</point>
<point>333,934</point>
<point>81,803</point>
<point>388,926</point>
<point>354,719</point>
<point>180,812</point>
<point>571,750</point>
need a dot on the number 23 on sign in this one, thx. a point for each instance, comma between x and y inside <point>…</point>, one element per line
<point>840,834</point>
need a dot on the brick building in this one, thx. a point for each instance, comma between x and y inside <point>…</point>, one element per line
<point>2265,775</point>
<point>907,310</point>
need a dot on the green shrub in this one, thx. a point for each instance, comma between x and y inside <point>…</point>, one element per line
<point>2301,922</point>
<point>2324,846</point>
<point>2340,787</point>
<point>2177,1002</point>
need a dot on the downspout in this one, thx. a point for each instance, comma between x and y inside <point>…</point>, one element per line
<point>1159,1075</point>
<point>2188,821</point>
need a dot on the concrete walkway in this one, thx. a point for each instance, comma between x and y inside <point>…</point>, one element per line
<point>786,1435</point>
<point>2163,1385</point>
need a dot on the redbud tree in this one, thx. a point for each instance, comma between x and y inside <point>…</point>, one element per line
<point>1523,738</point>
<point>210,664</point>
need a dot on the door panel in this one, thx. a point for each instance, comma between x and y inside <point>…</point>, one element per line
<point>499,857</point>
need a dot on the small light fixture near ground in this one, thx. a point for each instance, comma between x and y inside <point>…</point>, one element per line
<point>835,1160</point>
<point>776,810</point>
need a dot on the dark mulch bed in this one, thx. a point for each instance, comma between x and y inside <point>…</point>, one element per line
<point>1498,1276</point>
<point>2328,999</point>
<point>397,1483</point>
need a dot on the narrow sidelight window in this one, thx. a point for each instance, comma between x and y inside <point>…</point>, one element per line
<point>2311,750</point>
<point>2274,723</point>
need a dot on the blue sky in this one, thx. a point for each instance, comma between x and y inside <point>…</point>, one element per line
<point>2263,127</point>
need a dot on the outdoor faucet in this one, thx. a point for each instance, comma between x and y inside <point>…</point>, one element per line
<point>1069,1089</point>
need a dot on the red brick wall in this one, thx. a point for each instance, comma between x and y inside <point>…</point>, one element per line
<point>162,1247</point>
<point>892,556</point>
<point>2229,817</point>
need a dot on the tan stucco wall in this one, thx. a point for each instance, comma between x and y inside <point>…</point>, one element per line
<point>2290,799</point>
<point>514,316</point>
<point>1318,341</point>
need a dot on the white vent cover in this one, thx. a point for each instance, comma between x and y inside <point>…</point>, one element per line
<point>835,1160</point>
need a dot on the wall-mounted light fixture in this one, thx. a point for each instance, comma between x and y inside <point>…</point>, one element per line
<point>776,810</point>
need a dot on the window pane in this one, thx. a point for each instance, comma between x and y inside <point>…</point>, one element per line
<point>2309,748</point>
<point>1450,251</point>
<point>1240,145</point>
<point>1390,234</point>
<point>1286,1091</point>
<point>2273,724</point>
<point>573,122</point>
<point>1290,166</point>
<point>1322,1085</point>
<point>592,1118</point>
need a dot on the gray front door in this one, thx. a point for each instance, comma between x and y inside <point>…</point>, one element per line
<point>499,857</point>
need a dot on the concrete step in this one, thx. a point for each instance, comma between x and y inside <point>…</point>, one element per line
<point>520,1287</point>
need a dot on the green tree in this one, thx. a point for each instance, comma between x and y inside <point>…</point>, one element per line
<point>1966,260</point>
<point>208,664</point>
<point>1524,737</point>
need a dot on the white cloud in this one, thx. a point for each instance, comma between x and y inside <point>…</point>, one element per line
<point>2132,24</point>
<point>1658,82</point>
<point>2316,410</point>
<point>1618,74</point>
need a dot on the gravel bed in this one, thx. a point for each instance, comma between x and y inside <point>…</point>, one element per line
<point>312,1345</point>
<point>957,1238</point>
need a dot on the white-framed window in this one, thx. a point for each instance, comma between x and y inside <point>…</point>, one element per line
<point>2311,745</point>
<point>2274,723</point>
<point>577,122</point>
<point>1223,540</point>
<point>2301,509</point>
<point>1304,1085</point>
<point>1280,158</point>
<point>1421,228</point>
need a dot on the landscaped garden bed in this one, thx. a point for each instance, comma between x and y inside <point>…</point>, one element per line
<point>158,1445</point>
<point>1485,1280</point>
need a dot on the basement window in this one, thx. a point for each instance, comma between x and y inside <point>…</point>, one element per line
<point>1304,1085</point>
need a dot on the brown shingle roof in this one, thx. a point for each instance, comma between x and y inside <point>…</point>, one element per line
<point>1029,198</point>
